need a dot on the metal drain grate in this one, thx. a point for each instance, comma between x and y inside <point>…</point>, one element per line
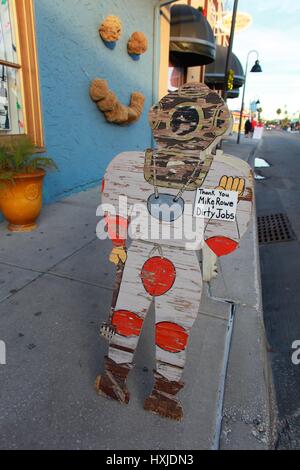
<point>274,228</point>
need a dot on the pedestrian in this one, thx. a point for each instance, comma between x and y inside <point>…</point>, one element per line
<point>248,128</point>
<point>253,126</point>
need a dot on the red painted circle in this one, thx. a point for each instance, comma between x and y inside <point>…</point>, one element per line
<point>171,337</point>
<point>127,323</point>
<point>158,275</point>
<point>222,246</point>
<point>117,229</point>
<point>102,186</point>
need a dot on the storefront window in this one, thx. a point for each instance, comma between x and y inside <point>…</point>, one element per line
<point>11,109</point>
<point>20,111</point>
<point>175,78</point>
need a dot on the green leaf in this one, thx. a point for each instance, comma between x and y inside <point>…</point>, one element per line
<point>19,156</point>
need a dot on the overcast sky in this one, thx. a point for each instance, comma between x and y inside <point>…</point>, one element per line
<point>275,34</point>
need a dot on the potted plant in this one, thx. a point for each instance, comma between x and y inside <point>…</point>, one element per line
<point>21,182</point>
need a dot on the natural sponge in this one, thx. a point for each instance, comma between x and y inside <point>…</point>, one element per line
<point>111,29</point>
<point>137,44</point>
<point>98,89</point>
<point>135,109</point>
<point>108,103</point>
<point>113,109</point>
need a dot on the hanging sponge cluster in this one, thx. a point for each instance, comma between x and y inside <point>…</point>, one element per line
<point>111,29</point>
<point>137,44</point>
<point>113,109</point>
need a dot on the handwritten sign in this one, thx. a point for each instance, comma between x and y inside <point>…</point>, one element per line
<point>258,133</point>
<point>216,204</point>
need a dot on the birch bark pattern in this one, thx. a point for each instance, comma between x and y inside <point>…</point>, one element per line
<point>187,126</point>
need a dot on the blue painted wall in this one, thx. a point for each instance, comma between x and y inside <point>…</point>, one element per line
<point>69,47</point>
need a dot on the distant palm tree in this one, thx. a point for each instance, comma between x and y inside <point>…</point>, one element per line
<point>278,111</point>
<point>259,110</point>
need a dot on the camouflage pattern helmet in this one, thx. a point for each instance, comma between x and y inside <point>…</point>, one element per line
<point>192,118</point>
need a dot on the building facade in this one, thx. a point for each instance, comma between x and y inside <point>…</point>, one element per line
<point>67,53</point>
<point>213,11</point>
<point>49,54</point>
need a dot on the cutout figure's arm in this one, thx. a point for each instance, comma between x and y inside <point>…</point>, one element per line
<point>119,191</point>
<point>230,174</point>
<point>116,227</point>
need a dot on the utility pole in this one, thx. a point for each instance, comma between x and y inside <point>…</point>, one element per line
<point>229,52</point>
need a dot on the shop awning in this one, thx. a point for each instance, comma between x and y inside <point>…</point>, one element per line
<point>235,93</point>
<point>192,41</point>
<point>215,73</point>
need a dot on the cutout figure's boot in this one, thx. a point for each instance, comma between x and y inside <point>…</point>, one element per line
<point>162,400</point>
<point>112,383</point>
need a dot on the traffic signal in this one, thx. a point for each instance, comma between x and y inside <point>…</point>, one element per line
<point>230,79</point>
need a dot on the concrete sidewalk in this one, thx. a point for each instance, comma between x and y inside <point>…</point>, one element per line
<point>249,406</point>
<point>55,290</point>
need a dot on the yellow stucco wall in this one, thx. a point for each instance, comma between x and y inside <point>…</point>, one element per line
<point>164,51</point>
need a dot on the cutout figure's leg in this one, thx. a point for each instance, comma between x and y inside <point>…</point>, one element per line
<point>176,312</point>
<point>131,308</point>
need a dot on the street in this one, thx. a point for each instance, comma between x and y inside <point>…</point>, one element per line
<point>279,192</point>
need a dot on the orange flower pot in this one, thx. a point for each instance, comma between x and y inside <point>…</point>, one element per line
<point>21,200</point>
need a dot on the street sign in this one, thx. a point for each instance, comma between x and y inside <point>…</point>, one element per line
<point>243,21</point>
<point>216,204</point>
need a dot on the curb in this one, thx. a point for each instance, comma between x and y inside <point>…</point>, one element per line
<point>272,402</point>
<point>254,151</point>
<point>249,417</point>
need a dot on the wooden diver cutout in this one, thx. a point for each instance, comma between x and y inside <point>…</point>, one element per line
<point>168,182</point>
